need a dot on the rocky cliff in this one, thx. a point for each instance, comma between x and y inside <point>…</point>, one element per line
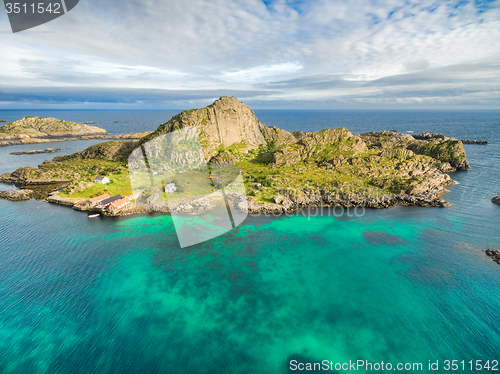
<point>36,127</point>
<point>450,152</point>
<point>227,123</point>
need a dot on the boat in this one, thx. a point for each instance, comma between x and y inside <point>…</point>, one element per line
<point>94,215</point>
<point>89,123</point>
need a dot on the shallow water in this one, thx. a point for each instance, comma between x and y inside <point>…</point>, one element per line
<point>118,295</point>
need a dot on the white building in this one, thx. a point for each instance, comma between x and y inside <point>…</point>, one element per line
<point>169,188</point>
<point>102,180</point>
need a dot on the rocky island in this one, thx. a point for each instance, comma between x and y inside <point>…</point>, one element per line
<point>282,171</point>
<point>37,127</point>
<point>30,130</point>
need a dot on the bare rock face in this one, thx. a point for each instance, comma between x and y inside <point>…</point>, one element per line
<point>36,127</point>
<point>326,144</point>
<point>227,122</point>
<point>442,148</point>
<point>16,195</point>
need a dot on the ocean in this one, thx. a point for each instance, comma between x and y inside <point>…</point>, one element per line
<point>406,285</point>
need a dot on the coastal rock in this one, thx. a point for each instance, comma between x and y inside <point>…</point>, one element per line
<point>37,127</point>
<point>16,195</point>
<point>496,199</point>
<point>55,199</point>
<point>7,178</point>
<point>48,150</point>
<point>28,140</point>
<point>429,136</point>
<point>494,254</point>
<point>478,142</point>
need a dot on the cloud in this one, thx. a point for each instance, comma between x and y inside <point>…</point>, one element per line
<point>272,53</point>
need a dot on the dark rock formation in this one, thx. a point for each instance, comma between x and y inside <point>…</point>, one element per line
<point>479,142</point>
<point>48,150</point>
<point>494,254</point>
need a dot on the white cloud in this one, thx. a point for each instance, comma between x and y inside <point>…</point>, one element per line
<point>245,45</point>
<point>261,73</point>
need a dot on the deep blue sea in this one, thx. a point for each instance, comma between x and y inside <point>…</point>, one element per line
<point>403,285</point>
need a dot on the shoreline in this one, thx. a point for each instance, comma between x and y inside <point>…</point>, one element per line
<point>5,142</point>
<point>285,206</point>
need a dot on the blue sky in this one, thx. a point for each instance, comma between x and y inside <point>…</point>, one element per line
<point>269,54</point>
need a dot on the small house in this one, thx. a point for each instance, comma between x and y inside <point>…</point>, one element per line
<point>101,179</point>
<point>95,200</point>
<point>169,188</point>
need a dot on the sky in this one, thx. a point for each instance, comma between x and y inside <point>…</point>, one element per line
<point>316,54</point>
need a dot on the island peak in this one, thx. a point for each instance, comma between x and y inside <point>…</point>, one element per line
<point>46,127</point>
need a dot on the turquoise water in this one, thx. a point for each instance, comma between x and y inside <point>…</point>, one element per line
<point>401,285</point>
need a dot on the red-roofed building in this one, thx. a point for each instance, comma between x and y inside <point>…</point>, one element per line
<point>107,202</point>
<point>95,200</point>
<point>120,204</point>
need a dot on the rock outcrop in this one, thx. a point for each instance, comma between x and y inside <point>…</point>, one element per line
<point>477,142</point>
<point>16,195</point>
<point>29,140</point>
<point>37,127</point>
<point>112,151</point>
<point>493,254</point>
<point>225,123</point>
<point>35,152</point>
<point>326,144</point>
<point>450,152</point>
